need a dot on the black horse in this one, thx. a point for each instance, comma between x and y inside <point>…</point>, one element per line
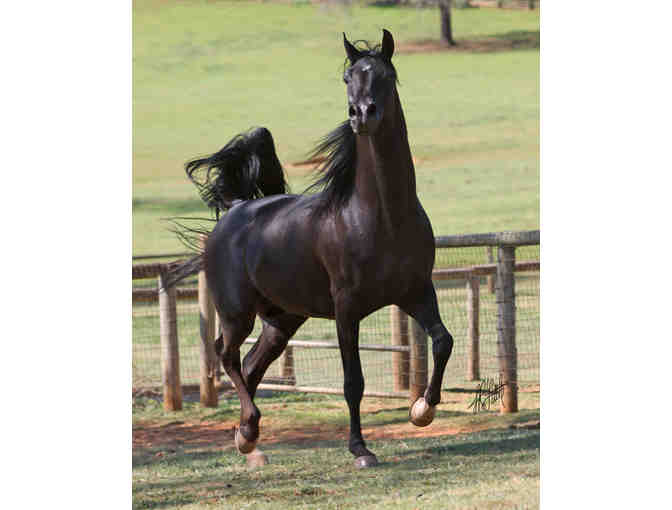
<point>360,244</point>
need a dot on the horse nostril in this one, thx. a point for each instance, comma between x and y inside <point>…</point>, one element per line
<point>371,109</point>
<point>352,111</point>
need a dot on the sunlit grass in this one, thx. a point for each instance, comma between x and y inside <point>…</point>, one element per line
<point>204,71</point>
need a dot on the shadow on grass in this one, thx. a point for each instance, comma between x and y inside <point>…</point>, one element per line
<point>506,41</point>
<point>177,207</point>
<point>492,444</point>
<point>529,38</point>
<point>188,477</point>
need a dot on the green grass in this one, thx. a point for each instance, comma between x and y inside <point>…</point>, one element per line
<point>494,469</point>
<point>494,466</point>
<point>204,71</point>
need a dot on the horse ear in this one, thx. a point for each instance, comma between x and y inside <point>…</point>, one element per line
<point>387,48</point>
<point>353,53</point>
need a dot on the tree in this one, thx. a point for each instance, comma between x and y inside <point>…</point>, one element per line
<point>446,27</point>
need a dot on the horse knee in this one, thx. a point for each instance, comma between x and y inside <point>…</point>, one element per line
<point>225,354</point>
<point>442,342</point>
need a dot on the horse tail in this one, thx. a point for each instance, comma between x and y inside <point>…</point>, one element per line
<point>180,270</point>
<point>246,168</point>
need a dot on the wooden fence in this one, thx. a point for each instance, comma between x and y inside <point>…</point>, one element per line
<point>409,341</point>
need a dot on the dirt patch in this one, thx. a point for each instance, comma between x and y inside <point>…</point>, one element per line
<point>522,41</point>
<point>206,434</point>
<point>277,428</point>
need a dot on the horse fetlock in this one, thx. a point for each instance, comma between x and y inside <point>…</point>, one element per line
<point>251,419</point>
<point>432,397</point>
<point>357,446</point>
<point>359,450</point>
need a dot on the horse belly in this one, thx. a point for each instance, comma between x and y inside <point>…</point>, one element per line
<point>294,290</point>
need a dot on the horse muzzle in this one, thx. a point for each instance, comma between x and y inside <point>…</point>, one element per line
<point>364,120</point>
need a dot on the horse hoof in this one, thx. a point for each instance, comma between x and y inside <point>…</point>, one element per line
<point>422,414</point>
<point>256,458</point>
<point>243,445</point>
<point>366,461</point>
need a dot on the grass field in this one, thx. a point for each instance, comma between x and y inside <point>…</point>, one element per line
<point>204,71</point>
<point>462,460</point>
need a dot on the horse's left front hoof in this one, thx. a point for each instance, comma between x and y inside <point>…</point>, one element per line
<point>366,461</point>
<point>422,414</point>
<point>256,458</point>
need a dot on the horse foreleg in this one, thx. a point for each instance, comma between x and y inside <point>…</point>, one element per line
<point>353,388</point>
<point>425,310</point>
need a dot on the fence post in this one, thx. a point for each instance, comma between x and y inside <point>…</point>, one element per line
<point>287,365</point>
<point>208,358</point>
<point>473,330</point>
<point>400,360</point>
<point>491,277</point>
<point>170,357</point>
<point>418,363</point>
<point>506,328</point>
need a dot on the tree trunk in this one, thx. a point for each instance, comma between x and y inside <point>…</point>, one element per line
<point>446,27</point>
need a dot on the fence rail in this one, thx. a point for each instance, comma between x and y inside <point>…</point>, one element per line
<point>407,341</point>
<point>524,238</point>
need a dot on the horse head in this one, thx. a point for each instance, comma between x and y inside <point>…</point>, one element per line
<point>369,80</point>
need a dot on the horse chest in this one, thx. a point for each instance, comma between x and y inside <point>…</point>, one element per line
<point>382,273</point>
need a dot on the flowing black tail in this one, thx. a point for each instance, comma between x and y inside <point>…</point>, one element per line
<point>244,169</point>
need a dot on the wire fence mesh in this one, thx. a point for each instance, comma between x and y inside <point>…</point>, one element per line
<point>322,367</point>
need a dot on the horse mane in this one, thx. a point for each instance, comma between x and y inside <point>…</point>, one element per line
<point>337,173</point>
<point>338,149</point>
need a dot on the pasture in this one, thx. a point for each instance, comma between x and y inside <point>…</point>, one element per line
<point>462,460</point>
<point>204,71</point>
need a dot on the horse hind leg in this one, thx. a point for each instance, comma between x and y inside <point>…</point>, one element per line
<point>234,332</point>
<point>272,341</point>
<point>276,333</point>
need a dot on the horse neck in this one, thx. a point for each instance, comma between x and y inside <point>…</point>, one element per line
<point>385,176</point>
